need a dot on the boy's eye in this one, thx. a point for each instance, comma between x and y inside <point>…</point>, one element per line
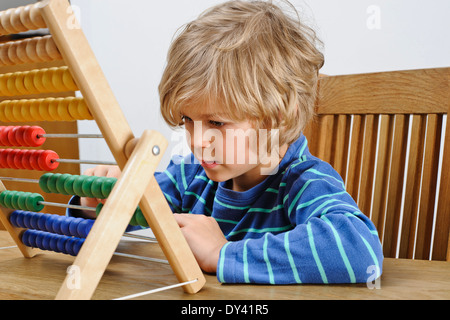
<point>216,123</point>
<point>186,119</point>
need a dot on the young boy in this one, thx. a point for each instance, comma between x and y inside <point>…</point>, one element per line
<point>255,206</point>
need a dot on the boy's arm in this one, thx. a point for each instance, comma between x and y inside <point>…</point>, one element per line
<point>331,240</point>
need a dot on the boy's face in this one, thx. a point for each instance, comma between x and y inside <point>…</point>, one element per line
<point>228,150</point>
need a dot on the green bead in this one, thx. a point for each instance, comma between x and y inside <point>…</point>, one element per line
<point>77,186</point>
<point>68,184</point>
<point>96,187</point>
<point>60,183</point>
<point>32,202</point>
<point>43,180</point>
<point>22,203</point>
<point>107,186</point>
<point>98,208</point>
<point>140,218</point>
<point>8,199</point>
<point>87,186</point>
<point>51,183</point>
<point>2,198</point>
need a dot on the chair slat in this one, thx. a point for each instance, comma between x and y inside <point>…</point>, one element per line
<point>396,179</point>
<point>382,172</point>
<point>368,164</point>
<point>412,192</point>
<point>355,156</point>
<point>428,192</point>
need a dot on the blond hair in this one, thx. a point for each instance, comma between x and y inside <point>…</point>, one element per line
<point>258,62</point>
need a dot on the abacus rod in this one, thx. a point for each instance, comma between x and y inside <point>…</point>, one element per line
<point>84,161</point>
<point>70,206</point>
<point>19,179</point>
<point>156,290</point>
<point>70,135</point>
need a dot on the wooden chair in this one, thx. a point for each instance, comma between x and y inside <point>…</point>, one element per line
<point>386,134</point>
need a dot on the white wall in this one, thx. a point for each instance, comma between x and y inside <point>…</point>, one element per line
<point>131,38</point>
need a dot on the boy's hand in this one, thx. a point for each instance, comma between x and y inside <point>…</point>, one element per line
<point>204,237</point>
<point>99,171</point>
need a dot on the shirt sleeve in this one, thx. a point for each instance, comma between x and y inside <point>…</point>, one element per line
<point>332,241</point>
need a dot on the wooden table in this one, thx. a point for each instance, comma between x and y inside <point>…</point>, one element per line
<point>41,277</point>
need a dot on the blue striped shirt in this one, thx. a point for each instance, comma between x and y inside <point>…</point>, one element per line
<point>297,226</point>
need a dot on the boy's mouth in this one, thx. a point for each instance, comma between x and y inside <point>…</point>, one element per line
<point>209,164</point>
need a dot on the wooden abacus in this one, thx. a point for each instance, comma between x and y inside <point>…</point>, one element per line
<point>137,158</point>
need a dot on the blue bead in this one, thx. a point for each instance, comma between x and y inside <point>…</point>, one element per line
<point>49,223</point>
<point>41,221</point>
<point>74,226</point>
<point>65,226</point>
<point>19,220</point>
<point>34,220</point>
<point>53,242</point>
<point>13,218</point>
<point>26,238</point>
<point>84,227</point>
<point>77,246</point>
<point>38,240</point>
<point>61,244</point>
<point>26,219</point>
<point>57,221</point>
<point>46,241</point>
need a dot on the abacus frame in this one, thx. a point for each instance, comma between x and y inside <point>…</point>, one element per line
<point>137,159</point>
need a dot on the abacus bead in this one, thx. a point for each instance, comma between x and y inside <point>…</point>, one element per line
<point>133,221</point>
<point>10,158</point>
<point>96,187</point>
<point>34,220</point>
<point>19,135</point>
<point>26,238</point>
<point>107,186</point>
<point>53,243</point>
<point>87,186</point>
<point>49,223</point>
<point>51,182</point>
<point>76,247</point>
<point>38,239</point>
<point>70,246</point>
<point>3,158</point>
<point>12,136</point>
<point>26,219</point>
<point>2,198</point>
<point>34,157</point>
<point>32,136</point>
<point>26,162</point>
<point>60,183</point>
<point>98,209</point>
<point>73,226</point>
<point>22,200</point>
<point>15,199</point>
<point>84,227</point>
<point>33,202</point>
<point>13,218</point>
<point>46,241</point>
<point>7,199</point>
<point>140,218</point>
<point>43,182</point>
<point>57,224</point>
<point>46,160</point>
<point>65,226</point>
<point>77,184</point>
<point>61,244</point>
<point>42,220</point>
<point>19,157</point>
<point>68,184</point>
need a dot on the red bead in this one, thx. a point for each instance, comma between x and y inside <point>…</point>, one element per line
<point>46,160</point>
<point>31,136</point>
<point>34,159</point>
<point>18,158</point>
<point>5,136</point>
<point>19,136</point>
<point>3,155</point>
<point>10,158</point>
<point>12,136</point>
<point>26,162</point>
